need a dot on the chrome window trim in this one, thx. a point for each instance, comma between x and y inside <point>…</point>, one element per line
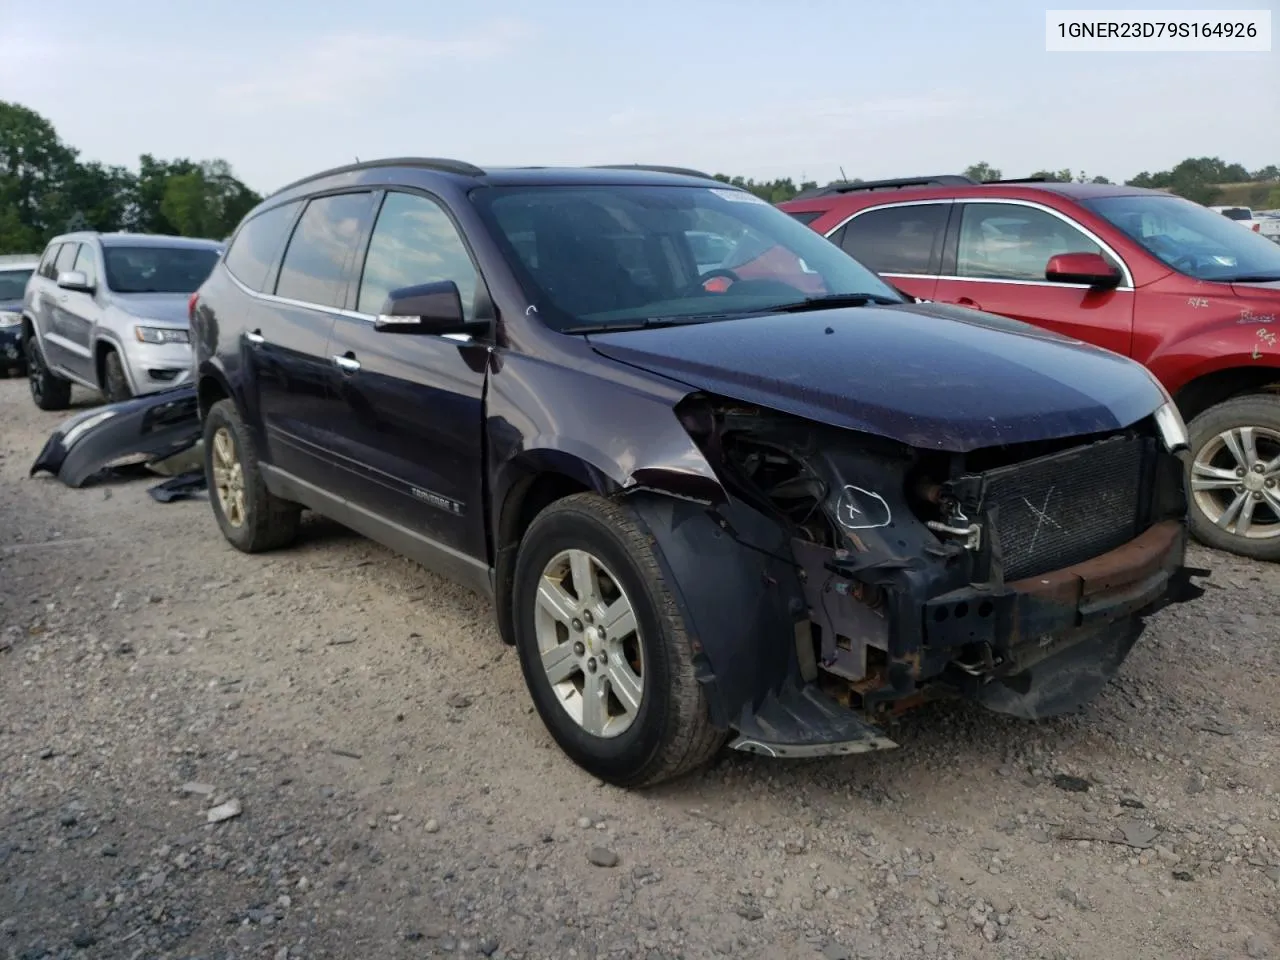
<point>1126,282</point>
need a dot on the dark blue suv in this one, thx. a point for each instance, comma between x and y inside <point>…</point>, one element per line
<point>720,480</point>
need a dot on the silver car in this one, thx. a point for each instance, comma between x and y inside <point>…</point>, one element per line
<point>109,311</point>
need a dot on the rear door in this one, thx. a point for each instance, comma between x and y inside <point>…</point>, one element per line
<point>995,261</point>
<point>287,342</point>
<point>902,242</point>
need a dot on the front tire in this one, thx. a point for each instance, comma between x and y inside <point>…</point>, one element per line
<point>604,647</point>
<point>1233,482</point>
<point>48,390</point>
<point>115,385</point>
<point>251,517</point>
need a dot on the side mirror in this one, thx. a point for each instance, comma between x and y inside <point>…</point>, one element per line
<point>75,280</point>
<point>429,308</point>
<point>1086,268</point>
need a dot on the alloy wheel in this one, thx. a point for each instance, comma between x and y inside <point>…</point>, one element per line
<point>35,370</point>
<point>1234,481</point>
<point>589,643</point>
<point>228,477</point>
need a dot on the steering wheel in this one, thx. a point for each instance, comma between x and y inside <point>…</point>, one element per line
<point>716,274</point>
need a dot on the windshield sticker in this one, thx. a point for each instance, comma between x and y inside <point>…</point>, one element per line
<point>738,196</point>
<point>859,509</point>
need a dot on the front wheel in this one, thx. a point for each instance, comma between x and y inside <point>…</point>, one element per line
<point>115,385</point>
<point>604,648</point>
<point>1233,482</point>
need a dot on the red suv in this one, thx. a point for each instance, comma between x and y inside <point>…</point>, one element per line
<point>1146,274</point>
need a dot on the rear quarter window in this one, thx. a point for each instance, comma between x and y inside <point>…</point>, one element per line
<point>256,246</point>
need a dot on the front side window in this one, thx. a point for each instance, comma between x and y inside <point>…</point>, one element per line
<point>66,259</point>
<point>86,265</point>
<point>257,244</point>
<point>314,269</point>
<point>596,256</point>
<point>1006,241</point>
<point>13,284</point>
<point>143,269</point>
<point>897,239</point>
<point>414,242</point>
<point>1192,239</point>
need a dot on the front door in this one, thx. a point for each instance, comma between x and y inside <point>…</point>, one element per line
<point>410,423</point>
<point>61,349</point>
<point>998,266</point>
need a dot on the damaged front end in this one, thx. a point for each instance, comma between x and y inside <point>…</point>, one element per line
<point>1018,577</point>
<point>143,430</point>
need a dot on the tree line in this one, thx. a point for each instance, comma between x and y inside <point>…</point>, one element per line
<point>1206,180</point>
<point>46,189</point>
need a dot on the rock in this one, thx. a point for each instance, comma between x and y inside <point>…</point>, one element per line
<point>834,951</point>
<point>1001,904</point>
<point>225,811</point>
<point>584,822</point>
<point>459,701</point>
<point>432,826</point>
<point>83,940</point>
<point>602,857</point>
<point>750,911</point>
<point>990,932</point>
<point>1137,834</point>
<point>1040,836</point>
<point>200,789</point>
<point>1238,830</point>
<point>487,946</point>
<point>1257,948</point>
<point>1071,784</point>
<point>933,898</point>
<point>1040,913</point>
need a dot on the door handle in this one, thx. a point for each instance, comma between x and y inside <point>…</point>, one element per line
<point>255,337</point>
<point>346,363</point>
<point>968,302</point>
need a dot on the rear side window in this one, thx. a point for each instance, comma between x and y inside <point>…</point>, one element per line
<point>46,268</point>
<point>314,269</point>
<point>255,247</point>
<point>897,239</point>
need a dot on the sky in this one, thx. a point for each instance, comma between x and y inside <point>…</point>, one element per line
<point>799,88</point>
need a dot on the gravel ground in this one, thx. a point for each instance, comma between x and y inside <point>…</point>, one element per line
<point>388,791</point>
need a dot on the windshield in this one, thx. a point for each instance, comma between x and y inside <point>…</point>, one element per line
<point>600,256</point>
<point>13,283</point>
<point>1237,213</point>
<point>1192,239</point>
<point>157,269</point>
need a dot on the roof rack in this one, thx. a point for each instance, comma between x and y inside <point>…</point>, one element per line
<point>654,168</point>
<point>850,186</point>
<point>443,164</point>
<point>1023,180</point>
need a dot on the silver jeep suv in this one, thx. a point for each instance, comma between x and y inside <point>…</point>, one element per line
<point>109,311</point>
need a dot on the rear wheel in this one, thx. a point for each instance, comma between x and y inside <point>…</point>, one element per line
<point>604,647</point>
<point>1233,482</point>
<point>48,390</point>
<point>251,517</point>
<point>115,385</point>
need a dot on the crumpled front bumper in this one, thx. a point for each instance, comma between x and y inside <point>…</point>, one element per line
<point>1046,645</point>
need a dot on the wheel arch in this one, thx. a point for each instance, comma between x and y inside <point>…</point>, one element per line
<point>1223,383</point>
<point>211,386</point>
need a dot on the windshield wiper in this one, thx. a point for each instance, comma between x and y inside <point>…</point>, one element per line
<point>830,300</point>
<point>1251,278</point>
<point>648,323</point>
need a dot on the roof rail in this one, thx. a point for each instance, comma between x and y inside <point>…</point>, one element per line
<point>443,164</point>
<point>1024,180</point>
<point>850,186</point>
<point>654,168</point>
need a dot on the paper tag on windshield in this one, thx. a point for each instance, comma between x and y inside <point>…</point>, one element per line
<point>738,196</point>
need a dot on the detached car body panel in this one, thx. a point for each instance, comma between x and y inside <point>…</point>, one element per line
<point>848,504</point>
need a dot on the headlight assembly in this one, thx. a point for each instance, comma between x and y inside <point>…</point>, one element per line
<point>161,335</point>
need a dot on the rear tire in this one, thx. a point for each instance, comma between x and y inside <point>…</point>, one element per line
<point>115,385</point>
<point>48,390</point>
<point>1232,446</point>
<point>624,704</point>
<point>251,517</point>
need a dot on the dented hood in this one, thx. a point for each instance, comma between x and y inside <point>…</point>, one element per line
<point>923,374</point>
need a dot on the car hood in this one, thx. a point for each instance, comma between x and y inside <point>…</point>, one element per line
<point>168,308</point>
<point>924,374</point>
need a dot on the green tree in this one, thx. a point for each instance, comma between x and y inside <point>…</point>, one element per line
<point>983,172</point>
<point>772,191</point>
<point>1271,172</point>
<point>34,169</point>
<point>1273,199</point>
